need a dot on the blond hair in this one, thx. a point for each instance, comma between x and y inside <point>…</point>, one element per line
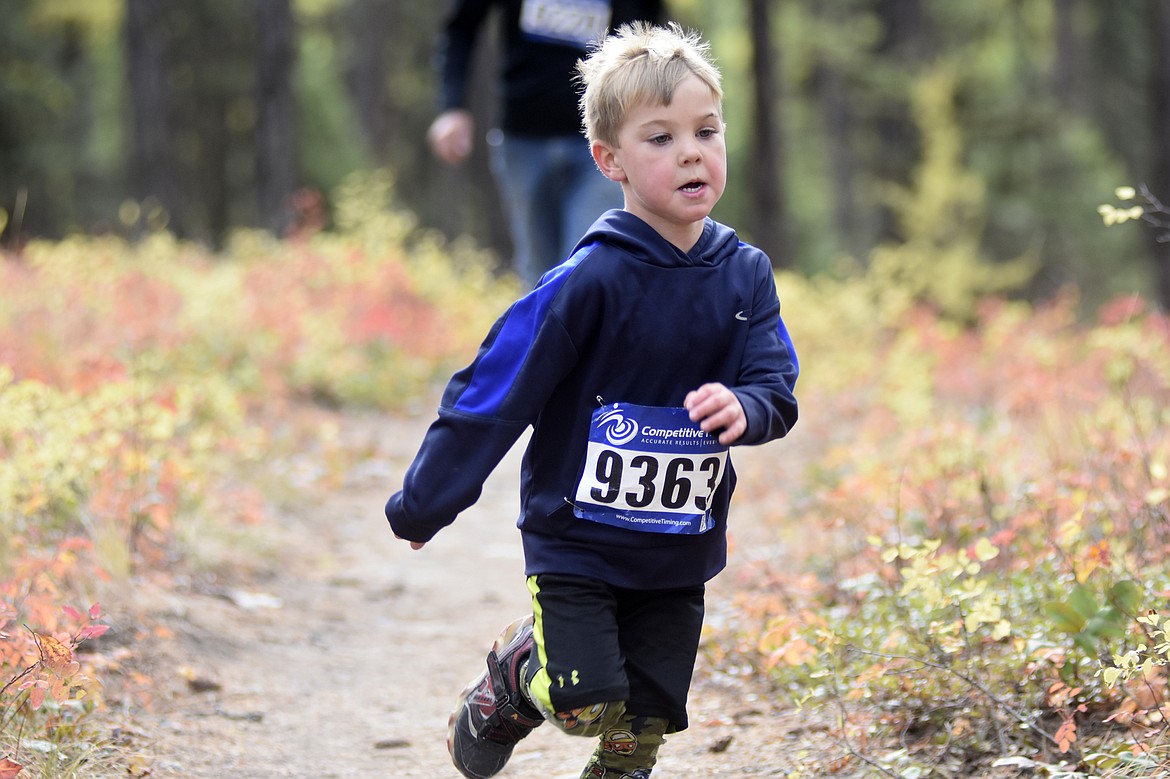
<point>639,64</point>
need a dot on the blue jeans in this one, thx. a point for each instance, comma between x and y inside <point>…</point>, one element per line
<point>552,192</point>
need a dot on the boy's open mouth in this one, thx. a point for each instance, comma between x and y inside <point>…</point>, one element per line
<point>692,186</point>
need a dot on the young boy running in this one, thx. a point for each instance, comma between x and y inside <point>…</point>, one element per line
<point>637,362</point>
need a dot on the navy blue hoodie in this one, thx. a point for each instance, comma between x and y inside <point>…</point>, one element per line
<point>627,318</point>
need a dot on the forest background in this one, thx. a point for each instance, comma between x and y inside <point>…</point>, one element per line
<point>124,115</point>
<point>219,223</point>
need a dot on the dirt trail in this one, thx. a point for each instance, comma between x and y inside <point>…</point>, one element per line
<point>344,659</point>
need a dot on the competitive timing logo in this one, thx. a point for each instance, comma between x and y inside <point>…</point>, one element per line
<point>618,429</point>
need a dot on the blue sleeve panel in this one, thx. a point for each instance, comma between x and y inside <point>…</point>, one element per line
<point>520,350</point>
<point>484,410</point>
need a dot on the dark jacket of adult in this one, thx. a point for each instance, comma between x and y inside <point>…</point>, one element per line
<point>540,43</point>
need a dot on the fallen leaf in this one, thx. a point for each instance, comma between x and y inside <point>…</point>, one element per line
<point>197,683</point>
<point>9,769</point>
<point>54,654</point>
<point>721,745</point>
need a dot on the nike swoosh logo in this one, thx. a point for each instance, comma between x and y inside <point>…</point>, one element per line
<point>741,316</point>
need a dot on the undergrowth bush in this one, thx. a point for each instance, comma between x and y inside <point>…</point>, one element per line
<point>142,384</point>
<point>976,538</point>
<point>982,545</point>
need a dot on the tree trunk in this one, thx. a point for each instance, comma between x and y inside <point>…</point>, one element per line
<point>838,118</point>
<point>1159,183</point>
<point>769,210</point>
<point>1065,77</point>
<point>152,173</point>
<point>276,141</point>
<point>370,23</point>
<point>903,42</point>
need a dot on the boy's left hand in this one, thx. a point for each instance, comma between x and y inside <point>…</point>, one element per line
<point>715,407</point>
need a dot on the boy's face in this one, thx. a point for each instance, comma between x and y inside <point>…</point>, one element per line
<point>671,161</point>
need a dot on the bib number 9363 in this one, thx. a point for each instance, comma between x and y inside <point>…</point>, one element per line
<point>649,468</point>
<point>651,480</point>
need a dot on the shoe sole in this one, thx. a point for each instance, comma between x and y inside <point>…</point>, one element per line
<point>505,638</point>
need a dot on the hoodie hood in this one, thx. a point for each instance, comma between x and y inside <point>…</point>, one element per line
<point>633,236</point>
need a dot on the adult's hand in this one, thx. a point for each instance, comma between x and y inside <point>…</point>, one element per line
<point>450,135</point>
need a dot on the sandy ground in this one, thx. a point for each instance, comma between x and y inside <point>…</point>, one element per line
<point>343,656</point>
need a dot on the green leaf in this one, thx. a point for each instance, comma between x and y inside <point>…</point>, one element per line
<point>1127,595</point>
<point>1111,675</point>
<point>1067,618</point>
<point>1086,643</point>
<point>1083,600</point>
<point>985,550</point>
<point>1105,625</point>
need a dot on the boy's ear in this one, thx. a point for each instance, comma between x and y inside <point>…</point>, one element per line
<point>607,161</point>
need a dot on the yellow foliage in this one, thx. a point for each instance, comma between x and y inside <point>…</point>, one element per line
<point>133,368</point>
<point>98,18</point>
<point>942,219</point>
<point>836,327</point>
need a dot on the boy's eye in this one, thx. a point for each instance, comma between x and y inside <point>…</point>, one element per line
<point>660,139</point>
<point>707,132</point>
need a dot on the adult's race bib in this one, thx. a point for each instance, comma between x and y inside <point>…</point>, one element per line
<point>649,468</point>
<point>570,22</point>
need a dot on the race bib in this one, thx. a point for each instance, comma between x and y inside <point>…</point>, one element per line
<point>570,22</point>
<point>651,469</point>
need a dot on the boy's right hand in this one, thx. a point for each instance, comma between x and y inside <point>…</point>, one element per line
<point>413,544</point>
